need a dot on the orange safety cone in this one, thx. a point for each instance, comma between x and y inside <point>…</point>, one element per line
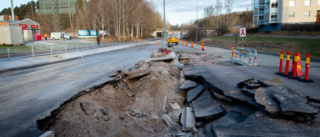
<point>158,43</point>
<point>191,44</point>
<point>202,45</point>
<point>186,43</point>
<point>181,42</point>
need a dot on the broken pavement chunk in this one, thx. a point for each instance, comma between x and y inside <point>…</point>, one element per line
<point>126,72</point>
<point>205,106</point>
<point>188,84</point>
<point>253,86</point>
<point>175,106</point>
<point>187,119</point>
<point>88,108</point>
<point>230,118</point>
<point>193,93</point>
<point>138,73</point>
<point>170,123</point>
<point>283,103</point>
<point>245,82</point>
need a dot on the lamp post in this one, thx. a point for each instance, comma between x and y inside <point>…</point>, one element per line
<point>12,11</point>
<point>197,24</point>
<point>164,22</point>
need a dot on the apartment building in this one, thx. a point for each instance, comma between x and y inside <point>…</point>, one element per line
<point>269,15</point>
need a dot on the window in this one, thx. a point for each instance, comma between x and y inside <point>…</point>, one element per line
<point>274,5</point>
<point>307,2</point>
<point>274,16</point>
<point>291,3</point>
<point>291,14</point>
<point>307,14</point>
<point>318,2</point>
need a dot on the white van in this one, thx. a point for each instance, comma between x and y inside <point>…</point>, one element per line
<point>60,35</point>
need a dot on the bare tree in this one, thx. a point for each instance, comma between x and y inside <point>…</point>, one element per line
<point>218,10</point>
<point>228,6</point>
<point>208,11</point>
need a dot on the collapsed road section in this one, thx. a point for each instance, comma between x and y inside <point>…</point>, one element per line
<point>161,97</point>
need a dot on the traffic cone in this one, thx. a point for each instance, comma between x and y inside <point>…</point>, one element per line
<point>186,43</point>
<point>191,44</point>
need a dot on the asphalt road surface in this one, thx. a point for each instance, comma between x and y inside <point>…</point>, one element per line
<point>32,93</point>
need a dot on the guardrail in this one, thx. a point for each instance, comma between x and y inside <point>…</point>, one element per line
<point>243,56</point>
<point>55,47</point>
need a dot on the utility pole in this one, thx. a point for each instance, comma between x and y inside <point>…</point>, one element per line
<point>12,11</point>
<point>197,24</point>
<point>181,28</point>
<point>164,22</point>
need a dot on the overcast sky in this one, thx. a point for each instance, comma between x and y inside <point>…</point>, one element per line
<point>186,10</point>
<point>177,11</point>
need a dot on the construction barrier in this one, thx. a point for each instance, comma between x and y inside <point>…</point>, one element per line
<point>286,74</point>
<point>233,52</point>
<point>202,45</point>
<point>186,43</point>
<point>294,67</point>
<point>280,66</point>
<point>306,74</point>
<point>242,56</point>
<point>191,44</point>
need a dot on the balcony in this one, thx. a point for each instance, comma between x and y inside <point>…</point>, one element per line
<point>261,22</point>
<point>274,20</point>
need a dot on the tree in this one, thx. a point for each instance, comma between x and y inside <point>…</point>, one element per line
<point>228,6</point>
<point>208,11</point>
<point>218,11</point>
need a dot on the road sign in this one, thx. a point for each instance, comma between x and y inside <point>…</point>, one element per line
<point>57,6</point>
<point>242,32</point>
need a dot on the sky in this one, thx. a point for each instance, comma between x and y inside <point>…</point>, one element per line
<point>184,11</point>
<point>177,11</point>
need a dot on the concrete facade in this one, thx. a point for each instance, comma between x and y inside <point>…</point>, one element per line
<point>268,12</point>
<point>293,11</point>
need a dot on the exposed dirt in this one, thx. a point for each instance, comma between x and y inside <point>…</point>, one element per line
<point>110,111</point>
<point>201,58</point>
<point>259,46</point>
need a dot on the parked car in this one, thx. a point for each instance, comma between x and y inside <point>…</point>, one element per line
<point>60,35</point>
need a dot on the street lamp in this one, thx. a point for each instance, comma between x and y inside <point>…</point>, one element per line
<point>164,22</point>
<point>197,24</point>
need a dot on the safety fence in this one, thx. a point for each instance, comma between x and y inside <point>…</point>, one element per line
<point>54,47</point>
<point>243,56</point>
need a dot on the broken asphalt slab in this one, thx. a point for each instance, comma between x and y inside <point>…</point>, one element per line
<point>205,106</point>
<point>188,84</point>
<point>226,78</point>
<point>230,118</point>
<point>263,126</point>
<point>281,102</point>
<point>39,60</point>
<point>193,93</point>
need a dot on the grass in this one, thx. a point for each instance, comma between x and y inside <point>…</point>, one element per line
<point>21,48</point>
<point>311,46</point>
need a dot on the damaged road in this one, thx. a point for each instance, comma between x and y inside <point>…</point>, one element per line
<point>157,98</point>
